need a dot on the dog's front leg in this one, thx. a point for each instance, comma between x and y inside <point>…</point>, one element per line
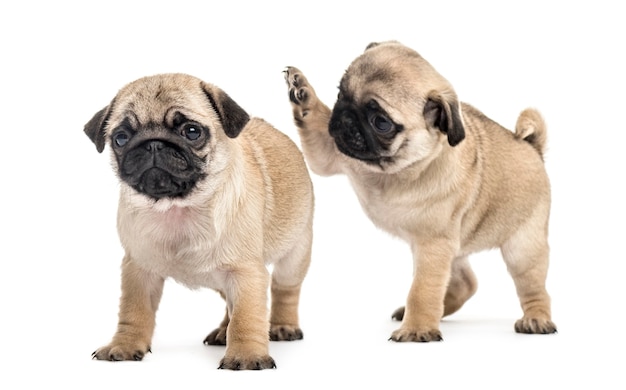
<point>141,294</point>
<point>425,303</point>
<point>312,116</point>
<point>247,336</point>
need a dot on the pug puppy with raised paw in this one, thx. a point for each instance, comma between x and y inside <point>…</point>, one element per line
<point>208,197</point>
<point>438,174</point>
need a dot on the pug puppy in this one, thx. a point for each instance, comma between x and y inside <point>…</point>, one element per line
<point>437,173</point>
<point>208,197</point>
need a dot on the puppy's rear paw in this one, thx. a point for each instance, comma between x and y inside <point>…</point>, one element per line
<point>217,337</point>
<point>252,363</point>
<point>285,333</point>
<point>417,335</point>
<point>398,315</point>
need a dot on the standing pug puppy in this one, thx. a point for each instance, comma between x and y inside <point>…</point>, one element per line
<point>438,174</point>
<point>209,197</point>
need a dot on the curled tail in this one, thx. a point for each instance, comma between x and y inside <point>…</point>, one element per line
<point>531,128</point>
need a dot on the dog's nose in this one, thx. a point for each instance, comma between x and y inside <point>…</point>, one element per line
<point>342,122</point>
<point>154,146</point>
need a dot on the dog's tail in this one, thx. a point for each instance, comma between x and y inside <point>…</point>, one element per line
<point>531,128</point>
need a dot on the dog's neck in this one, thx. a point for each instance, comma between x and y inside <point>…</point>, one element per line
<point>419,173</point>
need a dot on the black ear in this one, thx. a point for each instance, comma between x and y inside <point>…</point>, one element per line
<point>445,115</point>
<point>374,44</point>
<point>96,126</point>
<point>371,45</point>
<point>233,117</point>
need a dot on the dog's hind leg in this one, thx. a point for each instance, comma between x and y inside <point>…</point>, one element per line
<point>526,255</point>
<point>285,289</point>
<point>218,335</point>
<point>461,287</point>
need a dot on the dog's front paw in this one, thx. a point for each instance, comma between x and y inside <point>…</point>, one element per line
<point>535,326</point>
<point>301,94</point>
<point>417,335</point>
<point>285,333</point>
<point>121,351</point>
<point>299,88</point>
<point>217,337</point>
<point>249,363</point>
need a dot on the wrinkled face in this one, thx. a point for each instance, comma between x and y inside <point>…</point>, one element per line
<point>364,130</point>
<point>165,133</point>
<point>160,159</point>
<point>389,111</point>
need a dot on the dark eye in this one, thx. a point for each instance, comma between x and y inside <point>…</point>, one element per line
<point>381,124</point>
<point>191,132</point>
<point>120,138</point>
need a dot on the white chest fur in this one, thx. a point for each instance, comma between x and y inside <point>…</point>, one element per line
<point>179,242</point>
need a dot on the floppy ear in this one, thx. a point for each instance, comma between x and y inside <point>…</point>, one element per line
<point>374,44</point>
<point>233,117</point>
<point>371,45</point>
<point>444,114</point>
<point>96,126</point>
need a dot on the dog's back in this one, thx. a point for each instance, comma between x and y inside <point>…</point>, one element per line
<point>513,177</point>
<point>284,172</point>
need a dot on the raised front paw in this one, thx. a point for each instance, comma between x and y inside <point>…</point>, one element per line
<point>247,363</point>
<point>299,88</point>
<point>121,351</point>
<point>301,93</point>
<point>417,335</point>
<point>285,333</point>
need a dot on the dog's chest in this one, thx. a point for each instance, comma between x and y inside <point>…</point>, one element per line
<point>400,210</point>
<point>387,210</point>
<point>173,244</point>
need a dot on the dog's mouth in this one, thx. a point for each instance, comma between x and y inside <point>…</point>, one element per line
<point>351,139</point>
<point>159,170</point>
<point>157,183</point>
<point>347,149</point>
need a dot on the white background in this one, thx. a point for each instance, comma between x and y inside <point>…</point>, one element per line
<point>63,61</point>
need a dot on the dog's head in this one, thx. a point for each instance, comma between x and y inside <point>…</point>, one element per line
<point>394,109</point>
<point>166,133</point>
